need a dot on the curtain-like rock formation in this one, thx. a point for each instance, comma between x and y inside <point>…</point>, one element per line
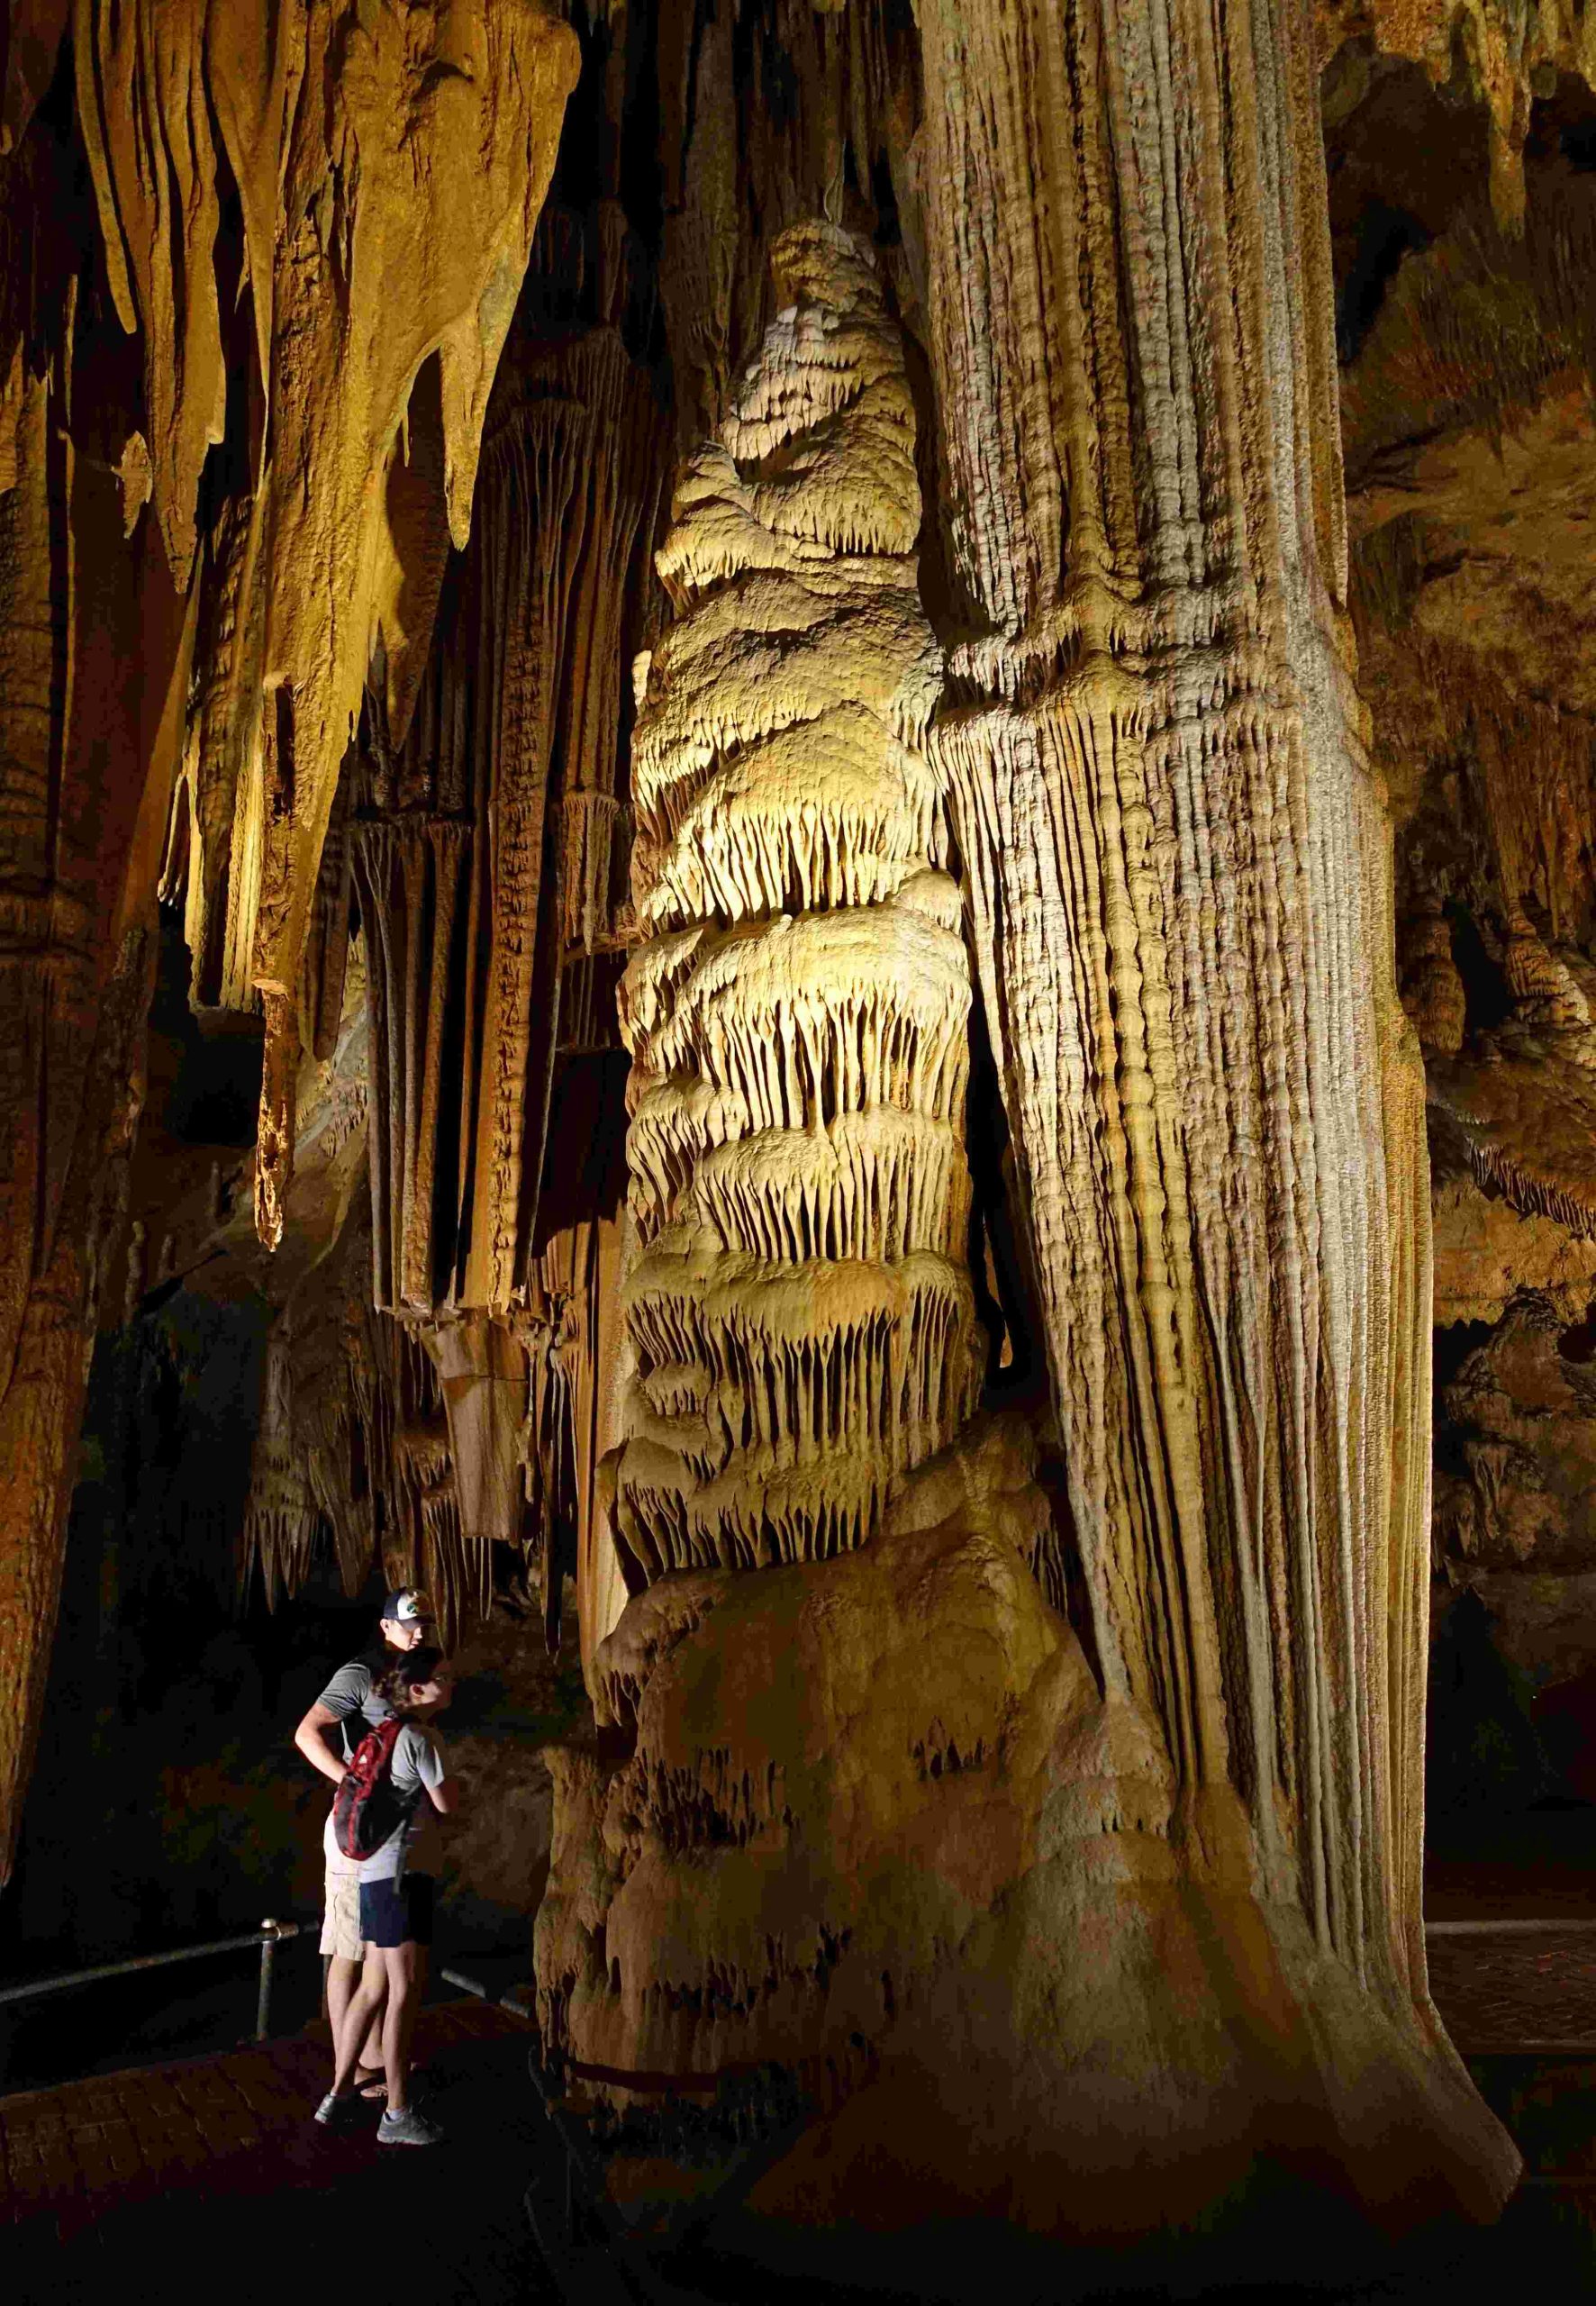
<point>1182,910</point>
<point>490,858</point>
<point>482,844</point>
<point>387,164</point>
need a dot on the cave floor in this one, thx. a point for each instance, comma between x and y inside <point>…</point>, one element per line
<point>1508,1991</point>
<point>209,2175</point>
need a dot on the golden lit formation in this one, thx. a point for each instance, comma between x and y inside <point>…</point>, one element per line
<point>796,882</point>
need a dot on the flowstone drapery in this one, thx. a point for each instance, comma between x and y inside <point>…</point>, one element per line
<point>489,858</point>
<point>1022,1928</point>
<point>1182,910</point>
<point>261,226</point>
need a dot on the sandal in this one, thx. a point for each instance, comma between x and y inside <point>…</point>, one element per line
<point>370,2083</point>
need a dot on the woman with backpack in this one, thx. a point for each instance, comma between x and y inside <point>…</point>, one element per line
<point>384,1818</point>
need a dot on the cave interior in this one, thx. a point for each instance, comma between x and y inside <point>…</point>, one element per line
<point>798,883</point>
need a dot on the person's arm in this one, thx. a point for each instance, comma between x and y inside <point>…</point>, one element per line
<point>442,1791</point>
<point>345,1695</point>
<point>311,1737</point>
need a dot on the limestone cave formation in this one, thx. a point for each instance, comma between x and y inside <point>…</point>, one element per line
<point>798,879</point>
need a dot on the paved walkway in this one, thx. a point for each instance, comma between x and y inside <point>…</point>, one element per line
<point>208,2178</point>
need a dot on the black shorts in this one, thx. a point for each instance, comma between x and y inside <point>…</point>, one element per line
<point>398,1911</point>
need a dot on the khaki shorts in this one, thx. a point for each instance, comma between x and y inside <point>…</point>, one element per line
<point>341,1925</point>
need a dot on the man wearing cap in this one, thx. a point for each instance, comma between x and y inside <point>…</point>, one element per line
<point>350,1705</point>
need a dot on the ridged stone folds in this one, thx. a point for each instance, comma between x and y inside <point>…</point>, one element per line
<point>721,648</point>
<point>799,1314</point>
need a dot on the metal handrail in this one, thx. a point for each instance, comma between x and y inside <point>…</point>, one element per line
<point>267,1938</point>
<point>1520,1926</point>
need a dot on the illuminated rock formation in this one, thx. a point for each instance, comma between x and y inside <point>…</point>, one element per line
<point>490,859</point>
<point>482,843</point>
<point>387,164</point>
<point>942,1269</point>
<point>799,1318</point>
<point>883,1826</point>
<point>357,276</point>
<point>1216,1100</point>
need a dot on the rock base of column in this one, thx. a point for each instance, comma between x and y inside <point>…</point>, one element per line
<point>874,1911</point>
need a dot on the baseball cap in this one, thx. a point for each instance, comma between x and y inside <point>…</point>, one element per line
<point>405,1605</point>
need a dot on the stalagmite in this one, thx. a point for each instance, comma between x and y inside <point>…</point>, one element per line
<point>1433,995</point>
<point>798,1314</point>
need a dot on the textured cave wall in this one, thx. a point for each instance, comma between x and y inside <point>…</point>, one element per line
<point>1467,362</point>
<point>1050,1746</point>
<point>94,657</point>
<point>196,264</point>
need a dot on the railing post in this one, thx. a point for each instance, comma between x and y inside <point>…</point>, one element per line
<point>269,1946</point>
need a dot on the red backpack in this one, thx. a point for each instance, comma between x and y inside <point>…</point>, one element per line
<point>366,1809</point>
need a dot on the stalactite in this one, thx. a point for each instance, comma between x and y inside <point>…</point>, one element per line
<point>511,761</point>
<point>282,1520</point>
<point>455,122</point>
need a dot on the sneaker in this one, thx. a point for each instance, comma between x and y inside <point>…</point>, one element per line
<point>407,2129</point>
<point>334,2109</point>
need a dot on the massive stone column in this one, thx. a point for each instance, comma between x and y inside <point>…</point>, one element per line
<point>1087,1928</point>
<point>1179,873</point>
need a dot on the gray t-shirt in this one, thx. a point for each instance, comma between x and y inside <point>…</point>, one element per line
<point>415,1845</point>
<point>351,1695</point>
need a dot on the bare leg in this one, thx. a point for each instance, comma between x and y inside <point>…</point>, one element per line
<point>363,2007</point>
<point>423,1956</point>
<point>399,2025</point>
<point>370,2060</point>
<point>371,2048</point>
<point>343,1978</point>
